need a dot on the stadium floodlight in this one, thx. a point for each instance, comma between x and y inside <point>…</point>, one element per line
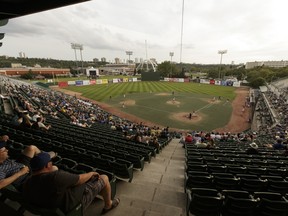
<point>171,54</point>
<point>129,53</point>
<point>79,47</point>
<point>221,52</point>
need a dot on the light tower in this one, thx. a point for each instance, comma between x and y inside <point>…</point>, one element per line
<point>171,54</point>
<point>129,53</point>
<point>221,52</point>
<point>79,47</point>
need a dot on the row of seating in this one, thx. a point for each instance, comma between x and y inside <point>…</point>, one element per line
<point>227,181</point>
<point>210,202</point>
<point>244,182</point>
<point>238,168</point>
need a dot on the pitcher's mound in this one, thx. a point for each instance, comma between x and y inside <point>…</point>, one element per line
<point>171,102</point>
<point>184,117</point>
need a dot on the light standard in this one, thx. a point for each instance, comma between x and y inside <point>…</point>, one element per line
<point>76,46</point>
<point>171,54</point>
<point>129,53</point>
<point>221,52</point>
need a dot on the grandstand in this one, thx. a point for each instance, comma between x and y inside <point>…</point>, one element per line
<point>176,178</point>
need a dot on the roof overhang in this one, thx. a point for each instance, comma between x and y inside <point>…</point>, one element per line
<point>16,8</point>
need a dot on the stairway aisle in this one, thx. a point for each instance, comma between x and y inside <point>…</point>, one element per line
<point>156,191</point>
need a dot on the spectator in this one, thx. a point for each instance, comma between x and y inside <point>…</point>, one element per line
<point>16,171</point>
<point>4,139</point>
<point>188,138</point>
<point>278,145</point>
<point>40,125</point>
<point>49,187</point>
<point>26,122</point>
<point>253,149</point>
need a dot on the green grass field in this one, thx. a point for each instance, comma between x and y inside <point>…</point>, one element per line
<point>153,101</point>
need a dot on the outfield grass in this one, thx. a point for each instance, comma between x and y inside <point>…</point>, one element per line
<point>103,92</point>
<point>150,102</point>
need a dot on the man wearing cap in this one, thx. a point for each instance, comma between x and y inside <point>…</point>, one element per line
<point>15,171</point>
<point>49,187</point>
<point>253,149</point>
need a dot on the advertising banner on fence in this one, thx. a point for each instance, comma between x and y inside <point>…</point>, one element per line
<point>71,82</point>
<point>212,82</point>
<point>115,80</point>
<point>125,79</point>
<point>79,82</point>
<point>104,81</point>
<point>86,82</point>
<point>62,84</point>
<point>99,81</point>
<point>92,82</point>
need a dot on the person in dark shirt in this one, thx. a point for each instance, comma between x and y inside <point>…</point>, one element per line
<point>49,187</point>
<point>278,145</point>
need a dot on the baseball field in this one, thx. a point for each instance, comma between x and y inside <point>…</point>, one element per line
<point>184,106</point>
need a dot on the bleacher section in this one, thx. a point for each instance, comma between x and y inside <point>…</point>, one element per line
<point>80,149</point>
<point>228,181</point>
<point>222,180</point>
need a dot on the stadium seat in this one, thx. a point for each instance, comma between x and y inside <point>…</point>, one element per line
<point>226,183</point>
<point>239,206</point>
<point>253,185</point>
<point>137,160</point>
<point>204,205</point>
<point>199,182</point>
<point>268,195</point>
<point>272,208</point>
<point>122,169</point>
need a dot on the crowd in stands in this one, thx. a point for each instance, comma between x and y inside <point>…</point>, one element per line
<point>33,105</point>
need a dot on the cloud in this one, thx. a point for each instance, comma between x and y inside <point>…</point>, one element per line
<point>106,28</point>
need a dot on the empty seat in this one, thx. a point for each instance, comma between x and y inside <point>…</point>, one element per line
<point>256,170</point>
<point>268,195</point>
<point>84,168</point>
<point>203,204</point>
<point>226,183</point>
<point>272,208</point>
<point>278,186</point>
<point>137,160</point>
<point>239,206</point>
<point>217,168</point>
<point>236,194</point>
<point>237,169</point>
<point>253,185</point>
<point>122,169</point>
<point>199,182</point>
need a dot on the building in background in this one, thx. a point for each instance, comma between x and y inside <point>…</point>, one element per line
<point>273,64</point>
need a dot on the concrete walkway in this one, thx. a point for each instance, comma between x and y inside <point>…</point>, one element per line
<point>158,190</point>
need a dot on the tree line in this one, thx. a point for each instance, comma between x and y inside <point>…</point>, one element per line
<point>256,76</point>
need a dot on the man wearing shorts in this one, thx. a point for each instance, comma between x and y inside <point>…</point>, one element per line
<point>15,172</point>
<point>49,187</point>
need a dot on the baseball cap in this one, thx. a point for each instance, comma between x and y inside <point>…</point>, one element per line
<point>254,145</point>
<point>40,160</point>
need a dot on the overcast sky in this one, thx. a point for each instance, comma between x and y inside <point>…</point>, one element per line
<point>253,30</point>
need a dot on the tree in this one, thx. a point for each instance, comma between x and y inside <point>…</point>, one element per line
<point>259,81</point>
<point>166,69</point>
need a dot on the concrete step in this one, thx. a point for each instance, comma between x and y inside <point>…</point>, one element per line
<point>136,207</point>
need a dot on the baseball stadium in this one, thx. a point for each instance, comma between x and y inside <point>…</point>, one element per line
<point>141,145</point>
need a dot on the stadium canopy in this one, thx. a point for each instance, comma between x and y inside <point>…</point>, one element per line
<point>16,8</point>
